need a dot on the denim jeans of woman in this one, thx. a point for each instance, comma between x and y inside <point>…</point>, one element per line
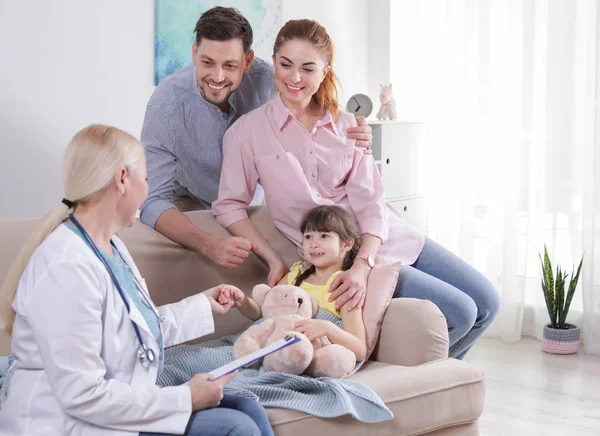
<point>235,416</point>
<point>466,298</point>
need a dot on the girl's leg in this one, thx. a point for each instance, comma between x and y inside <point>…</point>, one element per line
<point>220,421</point>
<point>467,299</point>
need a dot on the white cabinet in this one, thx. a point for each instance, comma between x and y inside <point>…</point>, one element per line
<point>399,150</point>
<point>414,211</point>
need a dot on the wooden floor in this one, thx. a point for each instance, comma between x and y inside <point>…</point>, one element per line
<point>529,392</point>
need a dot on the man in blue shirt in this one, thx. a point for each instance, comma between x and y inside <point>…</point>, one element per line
<point>185,121</point>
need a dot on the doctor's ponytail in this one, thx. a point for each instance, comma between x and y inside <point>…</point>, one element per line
<point>92,157</point>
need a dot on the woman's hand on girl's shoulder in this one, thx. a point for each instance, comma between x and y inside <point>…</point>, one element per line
<point>350,288</point>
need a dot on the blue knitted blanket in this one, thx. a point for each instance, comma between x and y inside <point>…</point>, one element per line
<point>3,371</point>
<point>323,397</point>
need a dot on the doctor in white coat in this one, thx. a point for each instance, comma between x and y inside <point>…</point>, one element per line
<point>87,341</point>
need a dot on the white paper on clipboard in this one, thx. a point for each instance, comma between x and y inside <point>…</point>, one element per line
<point>252,357</point>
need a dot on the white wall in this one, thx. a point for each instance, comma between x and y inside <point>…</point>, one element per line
<point>69,63</point>
<point>65,64</point>
<point>379,49</point>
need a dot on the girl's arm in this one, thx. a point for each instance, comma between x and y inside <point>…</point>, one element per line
<point>250,309</point>
<point>230,296</point>
<point>352,336</point>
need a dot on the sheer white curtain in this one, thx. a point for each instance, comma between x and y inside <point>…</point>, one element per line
<point>509,88</point>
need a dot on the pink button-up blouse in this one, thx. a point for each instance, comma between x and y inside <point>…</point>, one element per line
<point>300,170</point>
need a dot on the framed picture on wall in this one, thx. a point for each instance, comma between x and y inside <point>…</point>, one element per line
<point>176,19</point>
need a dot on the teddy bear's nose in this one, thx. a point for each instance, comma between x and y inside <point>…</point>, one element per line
<point>300,301</point>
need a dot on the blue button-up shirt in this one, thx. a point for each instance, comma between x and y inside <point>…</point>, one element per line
<point>183,134</point>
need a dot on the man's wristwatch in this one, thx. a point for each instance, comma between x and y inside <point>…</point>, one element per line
<point>370,259</point>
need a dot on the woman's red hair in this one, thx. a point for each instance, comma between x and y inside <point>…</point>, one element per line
<point>312,32</point>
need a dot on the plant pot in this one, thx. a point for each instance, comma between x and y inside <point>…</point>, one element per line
<point>561,341</point>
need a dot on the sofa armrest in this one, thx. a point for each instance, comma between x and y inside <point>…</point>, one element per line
<point>413,332</point>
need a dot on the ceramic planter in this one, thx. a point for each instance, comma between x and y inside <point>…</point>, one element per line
<point>561,341</point>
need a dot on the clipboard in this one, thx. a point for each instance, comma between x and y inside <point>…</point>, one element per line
<point>253,357</point>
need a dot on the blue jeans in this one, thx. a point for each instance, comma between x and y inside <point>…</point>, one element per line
<point>466,298</point>
<point>234,416</point>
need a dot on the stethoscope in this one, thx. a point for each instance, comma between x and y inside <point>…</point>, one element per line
<point>144,353</point>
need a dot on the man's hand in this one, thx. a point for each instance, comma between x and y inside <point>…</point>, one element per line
<point>229,253</point>
<point>362,134</point>
<point>215,294</point>
<point>313,328</point>
<point>350,287</point>
<point>207,394</point>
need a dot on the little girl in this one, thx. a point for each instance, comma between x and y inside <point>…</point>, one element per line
<point>330,244</point>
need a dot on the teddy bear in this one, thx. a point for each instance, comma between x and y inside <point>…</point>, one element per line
<point>387,111</point>
<point>282,306</point>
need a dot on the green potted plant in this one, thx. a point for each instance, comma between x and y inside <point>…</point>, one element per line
<point>560,337</point>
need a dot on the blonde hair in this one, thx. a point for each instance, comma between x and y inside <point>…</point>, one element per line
<point>92,157</point>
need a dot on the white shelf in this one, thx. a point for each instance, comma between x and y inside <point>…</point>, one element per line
<point>398,151</point>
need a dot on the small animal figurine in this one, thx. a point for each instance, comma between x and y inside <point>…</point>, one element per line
<point>387,111</point>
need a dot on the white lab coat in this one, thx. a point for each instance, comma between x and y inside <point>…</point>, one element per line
<point>77,369</point>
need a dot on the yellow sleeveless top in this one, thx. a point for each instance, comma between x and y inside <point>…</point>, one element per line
<point>318,292</point>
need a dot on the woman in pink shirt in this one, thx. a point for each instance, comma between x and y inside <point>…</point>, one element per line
<point>296,147</point>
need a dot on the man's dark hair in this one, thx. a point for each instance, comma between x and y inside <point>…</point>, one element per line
<point>223,24</point>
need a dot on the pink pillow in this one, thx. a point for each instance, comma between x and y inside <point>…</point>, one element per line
<point>381,285</point>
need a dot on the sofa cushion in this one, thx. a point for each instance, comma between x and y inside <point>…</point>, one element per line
<point>423,398</point>
<point>380,289</point>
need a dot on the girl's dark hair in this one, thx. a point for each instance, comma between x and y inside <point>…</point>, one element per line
<point>223,24</point>
<point>331,219</point>
<point>312,32</point>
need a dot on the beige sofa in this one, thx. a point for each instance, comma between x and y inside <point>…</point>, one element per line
<point>428,392</point>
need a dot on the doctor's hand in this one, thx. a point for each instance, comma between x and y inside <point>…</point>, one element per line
<point>230,296</point>
<point>207,394</point>
<point>223,297</point>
